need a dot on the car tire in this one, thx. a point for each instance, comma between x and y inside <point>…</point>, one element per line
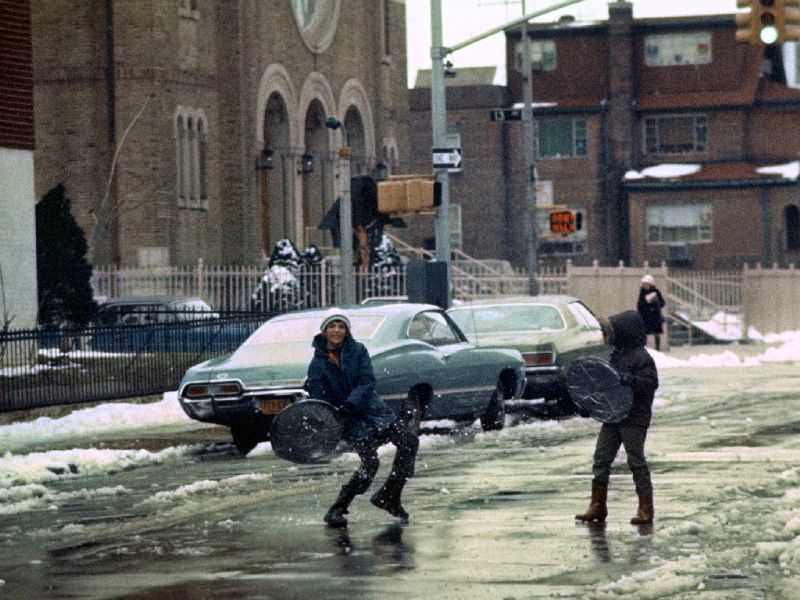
<point>411,413</point>
<point>565,407</point>
<point>246,437</point>
<point>494,417</point>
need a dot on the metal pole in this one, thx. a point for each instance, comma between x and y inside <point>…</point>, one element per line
<point>439,127</point>
<point>531,261</point>
<point>347,285</point>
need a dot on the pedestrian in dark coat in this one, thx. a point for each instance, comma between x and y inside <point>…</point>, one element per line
<point>341,374</point>
<point>649,305</point>
<point>626,332</point>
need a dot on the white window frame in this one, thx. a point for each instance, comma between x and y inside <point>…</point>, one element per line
<point>661,217</point>
<point>651,134</point>
<point>542,55</point>
<point>677,49</point>
<point>577,124</point>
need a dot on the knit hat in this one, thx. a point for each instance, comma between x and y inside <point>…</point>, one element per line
<point>648,279</point>
<point>334,314</point>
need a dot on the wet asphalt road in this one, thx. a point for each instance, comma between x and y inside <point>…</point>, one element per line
<point>492,514</point>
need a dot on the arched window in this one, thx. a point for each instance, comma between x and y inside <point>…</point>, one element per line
<point>791,225</point>
<point>202,168</point>
<point>191,155</point>
<point>180,148</point>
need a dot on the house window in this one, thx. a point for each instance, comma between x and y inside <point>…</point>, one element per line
<point>560,138</point>
<point>191,158</point>
<point>679,223</point>
<point>456,241</point>
<point>672,49</point>
<point>387,26</point>
<point>686,134</point>
<point>542,55</point>
<point>791,225</point>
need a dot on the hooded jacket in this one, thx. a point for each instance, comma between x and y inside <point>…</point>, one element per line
<point>630,356</point>
<point>351,381</point>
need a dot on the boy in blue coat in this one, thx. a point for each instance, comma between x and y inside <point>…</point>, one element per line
<point>341,374</point>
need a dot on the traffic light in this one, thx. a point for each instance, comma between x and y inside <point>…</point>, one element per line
<point>768,21</point>
<point>405,194</point>
<point>565,222</point>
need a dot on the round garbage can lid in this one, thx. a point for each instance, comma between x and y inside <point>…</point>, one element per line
<point>305,431</point>
<point>594,387</point>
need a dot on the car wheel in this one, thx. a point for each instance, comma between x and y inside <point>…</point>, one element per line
<point>494,417</point>
<point>566,407</point>
<point>247,436</point>
<point>411,414</point>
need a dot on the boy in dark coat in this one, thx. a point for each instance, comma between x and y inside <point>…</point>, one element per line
<point>626,332</point>
<point>341,374</point>
<point>649,305</point>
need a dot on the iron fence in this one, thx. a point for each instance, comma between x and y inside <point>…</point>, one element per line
<point>70,365</point>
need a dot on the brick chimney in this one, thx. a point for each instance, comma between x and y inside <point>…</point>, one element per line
<point>619,128</point>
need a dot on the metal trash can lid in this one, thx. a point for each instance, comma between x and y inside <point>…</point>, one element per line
<point>593,385</point>
<point>305,431</point>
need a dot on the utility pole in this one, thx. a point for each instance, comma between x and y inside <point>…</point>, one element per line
<point>531,260</point>
<point>347,287</point>
<point>439,122</point>
<point>439,129</point>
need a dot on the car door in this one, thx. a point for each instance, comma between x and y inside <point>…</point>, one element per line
<point>455,383</point>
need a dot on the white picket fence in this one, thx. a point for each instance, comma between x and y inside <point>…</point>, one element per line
<point>234,287</point>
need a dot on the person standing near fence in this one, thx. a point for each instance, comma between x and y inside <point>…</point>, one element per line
<point>649,306</point>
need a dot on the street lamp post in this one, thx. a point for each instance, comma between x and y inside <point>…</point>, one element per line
<point>531,260</point>
<point>439,128</point>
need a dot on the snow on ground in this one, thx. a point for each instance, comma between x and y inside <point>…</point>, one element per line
<point>104,419</point>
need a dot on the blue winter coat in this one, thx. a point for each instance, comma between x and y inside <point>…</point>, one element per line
<point>352,381</point>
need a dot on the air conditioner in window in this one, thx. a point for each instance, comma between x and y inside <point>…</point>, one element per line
<point>679,255</point>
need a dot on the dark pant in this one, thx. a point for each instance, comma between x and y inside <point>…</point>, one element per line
<point>406,443</point>
<point>609,440</point>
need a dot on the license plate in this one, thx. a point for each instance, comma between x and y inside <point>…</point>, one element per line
<point>274,405</point>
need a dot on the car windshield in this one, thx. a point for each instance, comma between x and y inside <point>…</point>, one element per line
<point>303,329</point>
<point>507,318</point>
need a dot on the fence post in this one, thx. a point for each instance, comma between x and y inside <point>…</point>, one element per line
<point>199,277</point>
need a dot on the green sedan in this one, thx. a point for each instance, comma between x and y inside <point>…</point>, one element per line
<point>424,366</point>
<point>549,331</point>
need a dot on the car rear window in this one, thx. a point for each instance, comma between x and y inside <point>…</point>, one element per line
<point>516,317</point>
<point>303,329</point>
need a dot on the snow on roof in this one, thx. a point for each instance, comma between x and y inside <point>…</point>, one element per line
<point>536,104</point>
<point>787,171</point>
<point>663,171</point>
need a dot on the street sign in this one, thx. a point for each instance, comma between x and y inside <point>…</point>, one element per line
<point>447,158</point>
<point>506,114</point>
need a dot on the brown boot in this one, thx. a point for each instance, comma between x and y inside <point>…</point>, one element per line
<point>597,507</point>
<point>644,515</point>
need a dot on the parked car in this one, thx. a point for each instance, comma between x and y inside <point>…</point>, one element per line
<point>183,324</point>
<point>141,310</point>
<point>549,331</point>
<point>424,366</point>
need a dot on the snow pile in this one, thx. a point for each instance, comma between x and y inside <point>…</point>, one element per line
<point>671,577</point>
<point>663,171</point>
<point>22,498</point>
<point>207,487</point>
<point>38,467</point>
<point>105,418</point>
<point>788,351</point>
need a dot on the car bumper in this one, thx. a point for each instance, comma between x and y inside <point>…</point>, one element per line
<point>543,382</point>
<point>230,409</point>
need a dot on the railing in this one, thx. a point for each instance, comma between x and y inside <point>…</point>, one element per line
<point>68,366</point>
<point>701,294</point>
<point>251,288</point>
